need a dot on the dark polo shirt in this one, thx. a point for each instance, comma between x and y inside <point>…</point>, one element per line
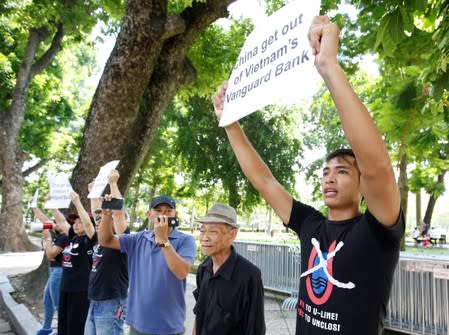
<point>231,302</point>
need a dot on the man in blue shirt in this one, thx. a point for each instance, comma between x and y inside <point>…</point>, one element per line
<point>158,264</point>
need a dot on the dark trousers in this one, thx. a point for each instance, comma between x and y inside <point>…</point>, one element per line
<point>72,313</point>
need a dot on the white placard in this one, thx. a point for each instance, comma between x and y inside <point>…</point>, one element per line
<point>275,63</point>
<point>60,189</point>
<point>33,200</point>
<point>102,179</point>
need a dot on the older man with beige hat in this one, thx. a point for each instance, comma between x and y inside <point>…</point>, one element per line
<point>229,294</point>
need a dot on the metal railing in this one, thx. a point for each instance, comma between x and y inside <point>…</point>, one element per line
<point>419,300</point>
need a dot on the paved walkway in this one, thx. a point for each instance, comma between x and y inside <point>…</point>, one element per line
<point>5,328</point>
<point>12,315</point>
<point>277,320</point>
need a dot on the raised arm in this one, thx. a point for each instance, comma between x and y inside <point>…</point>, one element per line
<point>120,223</point>
<point>377,180</point>
<point>252,164</point>
<point>95,203</point>
<point>84,216</point>
<point>51,250</point>
<point>59,218</point>
<point>40,215</point>
<point>177,265</point>
<point>106,236</point>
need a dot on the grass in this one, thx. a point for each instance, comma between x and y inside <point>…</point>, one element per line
<point>428,250</point>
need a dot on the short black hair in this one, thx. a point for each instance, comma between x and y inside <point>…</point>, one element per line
<point>339,153</point>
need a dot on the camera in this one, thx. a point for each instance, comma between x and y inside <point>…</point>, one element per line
<point>114,204</point>
<point>172,221</point>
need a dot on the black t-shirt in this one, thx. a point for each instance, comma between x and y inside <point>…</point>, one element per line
<point>231,301</point>
<point>59,240</point>
<point>109,275</point>
<point>347,269</point>
<point>76,263</point>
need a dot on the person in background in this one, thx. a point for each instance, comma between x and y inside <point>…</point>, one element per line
<point>108,280</point>
<point>158,264</point>
<point>53,247</point>
<point>229,294</point>
<point>77,263</point>
<point>347,258</point>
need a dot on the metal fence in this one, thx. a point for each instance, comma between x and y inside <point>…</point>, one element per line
<point>419,302</point>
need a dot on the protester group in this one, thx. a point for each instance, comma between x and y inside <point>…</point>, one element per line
<point>101,275</point>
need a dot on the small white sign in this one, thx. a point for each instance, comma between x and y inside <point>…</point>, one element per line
<point>33,200</point>
<point>102,179</point>
<point>60,189</point>
<point>275,63</point>
<point>441,273</point>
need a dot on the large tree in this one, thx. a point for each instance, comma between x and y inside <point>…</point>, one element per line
<point>32,35</point>
<point>145,70</point>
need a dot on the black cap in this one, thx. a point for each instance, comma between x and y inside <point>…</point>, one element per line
<point>163,199</point>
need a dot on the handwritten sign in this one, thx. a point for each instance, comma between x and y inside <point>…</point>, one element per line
<point>275,62</point>
<point>102,179</point>
<point>60,189</point>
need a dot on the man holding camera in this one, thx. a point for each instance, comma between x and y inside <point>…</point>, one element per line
<point>159,261</point>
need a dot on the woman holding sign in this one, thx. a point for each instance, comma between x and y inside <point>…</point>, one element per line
<point>77,262</point>
<point>53,247</point>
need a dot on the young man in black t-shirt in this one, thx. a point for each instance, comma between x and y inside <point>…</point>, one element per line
<point>348,258</point>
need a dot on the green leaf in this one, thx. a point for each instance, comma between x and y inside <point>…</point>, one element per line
<point>407,19</point>
<point>440,85</point>
<point>396,26</point>
<point>388,44</point>
<point>381,31</point>
<point>418,4</point>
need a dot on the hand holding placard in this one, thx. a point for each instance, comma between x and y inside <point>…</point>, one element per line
<point>102,179</point>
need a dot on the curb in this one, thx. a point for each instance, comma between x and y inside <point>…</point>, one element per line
<point>21,320</point>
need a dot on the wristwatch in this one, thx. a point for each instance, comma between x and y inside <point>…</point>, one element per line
<point>164,244</point>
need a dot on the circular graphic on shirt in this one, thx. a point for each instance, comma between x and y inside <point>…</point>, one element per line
<point>318,286</point>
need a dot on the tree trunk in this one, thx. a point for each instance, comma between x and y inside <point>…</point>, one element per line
<point>269,221</point>
<point>403,187</point>
<point>433,200</point>
<point>13,236</point>
<point>132,215</point>
<point>31,284</point>
<point>30,170</point>
<point>418,208</point>
<point>233,196</point>
<point>146,68</point>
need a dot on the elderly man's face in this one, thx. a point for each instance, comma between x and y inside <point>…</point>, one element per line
<point>216,238</point>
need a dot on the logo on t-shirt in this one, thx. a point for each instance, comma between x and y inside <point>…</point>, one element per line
<point>96,257</point>
<point>67,254</point>
<point>320,280</point>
